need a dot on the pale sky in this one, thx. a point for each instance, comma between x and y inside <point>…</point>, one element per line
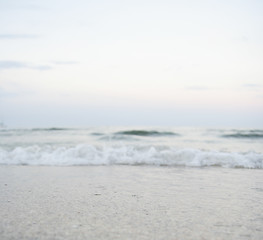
<point>138,62</point>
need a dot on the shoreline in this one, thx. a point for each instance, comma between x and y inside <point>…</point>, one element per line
<point>130,202</point>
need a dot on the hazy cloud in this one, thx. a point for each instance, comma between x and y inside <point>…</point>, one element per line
<point>42,67</point>
<point>244,38</point>
<point>19,5</point>
<point>4,93</point>
<point>15,64</point>
<point>253,85</point>
<point>17,36</point>
<point>18,92</point>
<point>12,64</point>
<point>65,62</point>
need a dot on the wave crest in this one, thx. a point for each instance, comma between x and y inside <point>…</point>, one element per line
<point>127,155</point>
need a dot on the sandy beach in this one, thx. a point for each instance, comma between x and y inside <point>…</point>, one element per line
<point>130,202</point>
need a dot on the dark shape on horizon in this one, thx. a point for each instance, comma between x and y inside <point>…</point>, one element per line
<point>145,133</point>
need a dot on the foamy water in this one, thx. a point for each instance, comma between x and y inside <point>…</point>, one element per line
<point>232,148</point>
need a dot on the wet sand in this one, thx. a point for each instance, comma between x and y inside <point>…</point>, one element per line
<point>130,202</point>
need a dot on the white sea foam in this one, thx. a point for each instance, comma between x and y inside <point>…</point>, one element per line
<point>85,154</point>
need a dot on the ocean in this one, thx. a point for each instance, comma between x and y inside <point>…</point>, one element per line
<point>131,183</point>
<point>175,147</point>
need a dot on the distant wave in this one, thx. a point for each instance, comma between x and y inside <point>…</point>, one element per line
<point>85,154</point>
<point>146,133</point>
<point>245,134</point>
<point>28,130</point>
<point>97,134</point>
<point>50,129</point>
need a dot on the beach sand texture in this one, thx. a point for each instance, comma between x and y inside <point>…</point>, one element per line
<point>130,202</point>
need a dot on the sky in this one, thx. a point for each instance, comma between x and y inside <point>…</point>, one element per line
<point>138,62</point>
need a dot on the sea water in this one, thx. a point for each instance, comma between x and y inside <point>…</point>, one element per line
<point>191,147</point>
<point>188,183</point>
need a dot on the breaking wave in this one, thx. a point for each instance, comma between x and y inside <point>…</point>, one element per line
<point>85,154</point>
